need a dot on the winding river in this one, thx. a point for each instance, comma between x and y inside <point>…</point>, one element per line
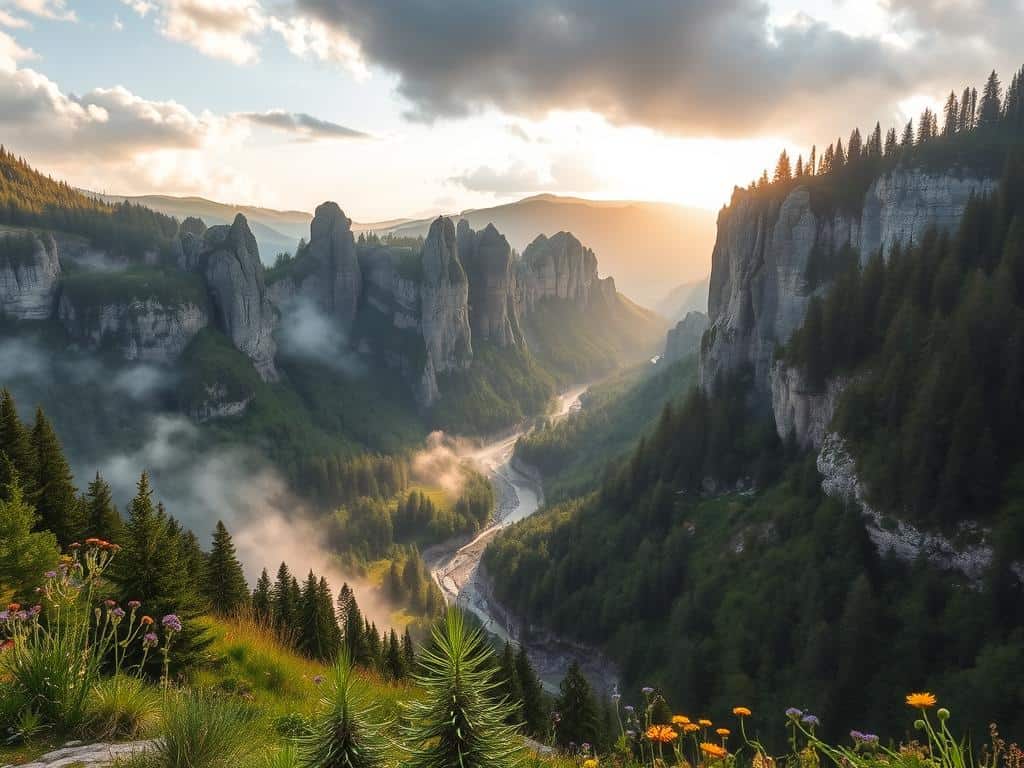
<point>456,565</point>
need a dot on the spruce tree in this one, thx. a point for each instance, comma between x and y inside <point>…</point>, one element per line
<point>24,554</point>
<point>510,688</point>
<point>393,664</point>
<point>224,582</point>
<point>458,721</point>
<point>16,442</point>
<point>284,607</point>
<point>55,497</point>
<point>952,115</point>
<point>408,652</point>
<point>261,598</point>
<point>991,105</point>
<point>101,517</point>
<point>577,708</point>
<point>329,627</point>
<point>535,714</point>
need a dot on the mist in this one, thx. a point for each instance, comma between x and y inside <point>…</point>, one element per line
<point>307,333</point>
<point>442,462</point>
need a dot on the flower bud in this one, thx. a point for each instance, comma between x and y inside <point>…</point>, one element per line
<point>943,714</point>
<point>919,725</point>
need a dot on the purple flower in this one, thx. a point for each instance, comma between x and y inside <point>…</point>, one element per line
<point>35,610</point>
<point>794,713</point>
<point>21,615</point>
<point>150,640</point>
<point>5,616</point>
<point>647,690</point>
<point>50,575</point>
<point>629,709</point>
<point>870,738</point>
<point>811,720</point>
<point>171,623</point>
<point>117,613</point>
<point>134,605</point>
<point>857,736</point>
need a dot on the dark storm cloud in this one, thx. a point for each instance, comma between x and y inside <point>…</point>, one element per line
<point>705,66</point>
<point>302,125</point>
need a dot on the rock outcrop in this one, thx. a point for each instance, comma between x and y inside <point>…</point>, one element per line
<point>490,267</point>
<point>557,267</point>
<point>685,338</point>
<point>801,410</point>
<point>759,275</point>
<point>444,309</point>
<point>332,278</point>
<point>142,329</point>
<point>231,265</point>
<point>29,274</point>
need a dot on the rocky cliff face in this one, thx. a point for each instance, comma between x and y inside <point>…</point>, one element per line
<point>490,268</point>
<point>557,267</point>
<point>231,265</point>
<point>140,329</point>
<point>800,409</point>
<point>684,339</point>
<point>28,281</point>
<point>444,308</point>
<point>759,288</point>
<point>332,279</point>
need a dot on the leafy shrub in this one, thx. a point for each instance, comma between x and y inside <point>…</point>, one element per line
<point>293,725</point>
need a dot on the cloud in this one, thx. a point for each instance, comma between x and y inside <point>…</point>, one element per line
<point>222,29</point>
<point>515,180</point>
<point>141,7</point>
<point>302,125</point>
<point>309,334</point>
<point>704,67</point>
<point>55,10</point>
<point>10,54</point>
<point>12,22</point>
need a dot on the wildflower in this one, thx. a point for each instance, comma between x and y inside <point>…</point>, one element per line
<point>117,613</point>
<point>713,750</point>
<point>150,640</point>
<point>134,604</point>
<point>811,720</point>
<point>317,679</point>
<point>629,709</point>
<point>590,762</point>
<point>147,620</point>
<point>704,723</point>
<point>92,541</point>
<point>661,734</point>
<point>21,615</point>
<point>921,700</point>
<point>5,616</point>
<point>943,714</point>
<point>14,607</point>
<point>585,747</point>
<point>857,736</point>
<point>691,728</point>
<point>616,697</point>
<point>114,548</point>
<point>6,645</point>
<point>680,720</point>
<point>172,623</point>
<point>647,690</point>
<point>723,732</point>
<point>74,545</point>
<point>793,713</point>
<point>50,575</point>
<point>110,603</point>
<point>741,712</point>
<point>35,610</point>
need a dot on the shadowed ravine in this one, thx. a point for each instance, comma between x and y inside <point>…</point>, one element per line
<point>456,564</point>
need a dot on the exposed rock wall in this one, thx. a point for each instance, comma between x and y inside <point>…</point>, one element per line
<point>487,258</point>
<point>802,410</point>
<point>444,309</point>
<point>684,339</point>
<point>557,267</point>
<point>333,280</point>
<point>759,291</point>
<point>140,329</point>
<point>242,308</point>
<point>28,286</point>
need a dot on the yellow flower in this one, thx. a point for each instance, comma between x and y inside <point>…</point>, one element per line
<point>691,728</point>
<point>590,762</point>
<point>761,760</point>
<point>921,700</point>
<point>680,720</point>
<point>662,734</point>
<point>722,732</point>
<point>741,712</point>
<point>704,722</point>
<point>713,750</point>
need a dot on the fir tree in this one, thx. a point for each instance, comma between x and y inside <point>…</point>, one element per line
<point>952,115</point>
<point>991,102</point>
<point>16,442</point>
<point>224,582</point>
<point>577,708</point>
<point>783,171</point>
<point>890,142</point>
<point>965,120</point>
<point>408,653</point>
<point>535,714</point>
<point>55,498</point>
<point>24,554</point>
<point>811,160</point>
<point>907,140</point>
<point>261,598</point>
<point>394,666</point>
<point>458,721</point>
<point>284,607</point>
<point>101,517</point>
<point>510,689</point>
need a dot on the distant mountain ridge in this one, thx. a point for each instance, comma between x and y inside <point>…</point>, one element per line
<point>646,245</point>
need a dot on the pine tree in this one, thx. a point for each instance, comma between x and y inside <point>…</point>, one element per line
<point>224,582</point>
<point>991,102</point>
<point>965,120</point>
<point>262,599</point>
<point>811,168</point>
<point>798,172</point>
<point>316,639</point>
<point>408,653</point>
<point>535,714</point>
<point>907,140</point>
<point>394,666</point>
<point>853,148</point>
<point>875,142</point>
<point>510,688</point>
<point>890,142</point>
<point>577,708</point>
<point>193,557</point>
<point>101,517</point>
<point>284,608</point>
<point>783,171</point>
<point>329,629</point>
<point>16,442</point>
<point>458,721</point>
<point>24,554</point>
<point>55,498</point>
<point>952,119</point>
<point>839,156</point>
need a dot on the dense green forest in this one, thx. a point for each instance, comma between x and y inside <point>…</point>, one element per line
<point>710,563</point>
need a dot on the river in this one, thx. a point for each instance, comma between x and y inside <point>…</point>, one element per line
<point>456,565</point>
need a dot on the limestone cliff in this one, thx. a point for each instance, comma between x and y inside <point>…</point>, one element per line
<point>685,338</point>
<point>29,274</point>
<point>231,266</point>
<point>487,258</point>
<point>143,329</point>
<point>759,274</point>
<point>801,410</point>
<point>557,267</point>
<point>331,276</point>
<point>444,308</point>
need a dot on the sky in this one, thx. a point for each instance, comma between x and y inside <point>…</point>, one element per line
<point>400,108</point>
